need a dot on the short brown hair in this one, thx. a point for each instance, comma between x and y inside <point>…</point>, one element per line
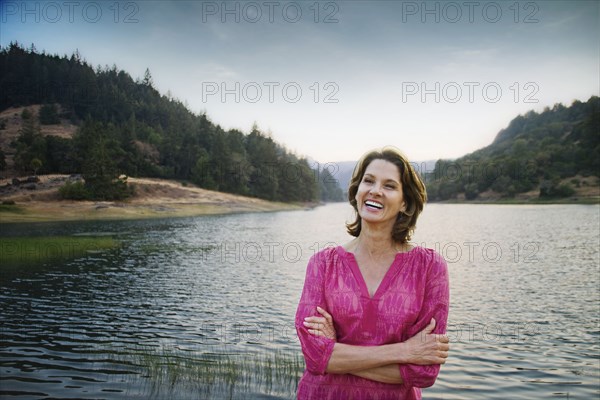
<point>413,190</point>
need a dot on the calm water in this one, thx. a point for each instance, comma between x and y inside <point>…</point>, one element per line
<point>524,322</point>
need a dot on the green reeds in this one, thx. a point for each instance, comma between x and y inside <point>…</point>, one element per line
<point>173,372</point>
<point>28,250</point>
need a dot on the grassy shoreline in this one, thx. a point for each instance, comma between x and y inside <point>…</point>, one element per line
<point>154,198</point>
<point>89,211</point>
<point>580,200</point>
<point>62,211</point>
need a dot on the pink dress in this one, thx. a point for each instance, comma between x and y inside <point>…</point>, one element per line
<point>414,290</point>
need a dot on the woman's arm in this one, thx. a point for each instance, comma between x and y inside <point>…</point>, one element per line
<point>436,306</point>
<point>385,374</point>
<point>347,359</point>
<point>316,349</point>
<point>420,353</point>
<point>379,363</point>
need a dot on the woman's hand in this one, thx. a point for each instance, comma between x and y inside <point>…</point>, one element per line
<point>321,326</point>
<point>426,348</point>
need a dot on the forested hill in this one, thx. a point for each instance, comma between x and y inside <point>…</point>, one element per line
<point>551,154</point>
<point>125,126</point>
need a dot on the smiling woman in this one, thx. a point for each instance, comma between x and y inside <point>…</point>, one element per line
<point>400,178</point>
<point>373,313</point>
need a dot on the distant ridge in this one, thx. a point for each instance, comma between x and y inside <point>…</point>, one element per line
<point>342,170</point>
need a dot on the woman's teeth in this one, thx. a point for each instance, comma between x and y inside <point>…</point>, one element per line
<point>373,204</point>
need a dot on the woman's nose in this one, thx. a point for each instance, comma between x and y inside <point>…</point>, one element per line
<point>376,189</point>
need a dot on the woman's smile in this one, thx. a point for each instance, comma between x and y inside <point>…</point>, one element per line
<point>380,192</point>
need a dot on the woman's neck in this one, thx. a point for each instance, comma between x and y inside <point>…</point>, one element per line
<point>376,240</point>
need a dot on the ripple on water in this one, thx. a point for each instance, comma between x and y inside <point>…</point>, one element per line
<point>182,298</point>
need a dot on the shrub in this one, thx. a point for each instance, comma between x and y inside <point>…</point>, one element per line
<point>74,191</point>
<point>471,191</point>
<point>549,189</point>
<point>564,190</point>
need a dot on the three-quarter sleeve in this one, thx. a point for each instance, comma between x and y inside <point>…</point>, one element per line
<point>435,305</point>
<point>316,349</point>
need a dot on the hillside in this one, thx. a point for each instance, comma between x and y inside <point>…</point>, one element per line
<point>549,156</point>
<point>71,118</point>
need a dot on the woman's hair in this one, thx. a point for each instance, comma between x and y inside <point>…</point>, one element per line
<point>413,190</point>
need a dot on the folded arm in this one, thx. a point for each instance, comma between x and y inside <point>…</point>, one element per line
<point>379,363</point>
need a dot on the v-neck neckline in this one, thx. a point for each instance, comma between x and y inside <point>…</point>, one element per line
<point>360,279</point>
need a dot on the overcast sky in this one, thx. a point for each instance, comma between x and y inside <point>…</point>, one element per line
<point>331,80</point>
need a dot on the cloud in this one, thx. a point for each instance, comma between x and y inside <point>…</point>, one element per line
<point>216,71</point>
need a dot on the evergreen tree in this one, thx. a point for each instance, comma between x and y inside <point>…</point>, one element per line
<point>48,115</point>
<point>30,143</point>
<point>148,79</point>
<point>2,161</point>
<point>35,165</point>
<point>99,162</point>
<point>263,158</point>
<point>202,173</point>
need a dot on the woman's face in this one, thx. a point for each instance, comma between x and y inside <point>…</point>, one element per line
<point>379,197</point>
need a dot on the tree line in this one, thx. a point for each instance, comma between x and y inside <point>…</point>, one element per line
<point>126,126</point>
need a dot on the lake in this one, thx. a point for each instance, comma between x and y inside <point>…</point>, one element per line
<point>203,307</point>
